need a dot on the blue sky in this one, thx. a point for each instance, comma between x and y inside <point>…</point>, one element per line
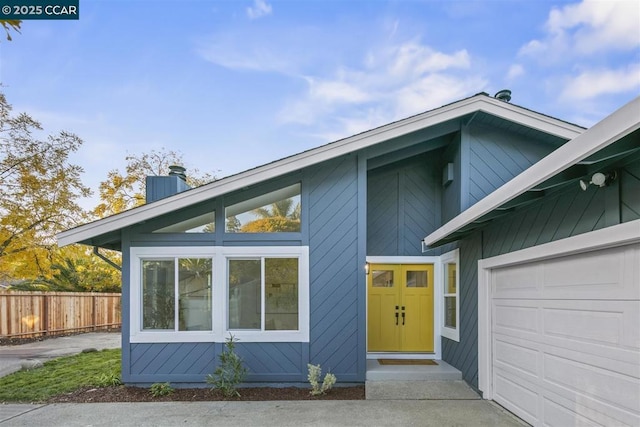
<point>236,84</point>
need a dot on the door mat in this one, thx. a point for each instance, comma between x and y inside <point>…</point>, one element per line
<point>407,362</point>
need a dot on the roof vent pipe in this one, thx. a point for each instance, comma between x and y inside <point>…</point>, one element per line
<point>503,95</point>
<point>179,171</point>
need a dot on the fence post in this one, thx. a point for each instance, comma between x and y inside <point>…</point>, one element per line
<point>46,314</point>
<point>94,314</point>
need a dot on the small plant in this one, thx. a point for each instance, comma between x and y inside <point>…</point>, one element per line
<point>314,379</point>
<point>230,371</point>
<point>108,380</point>
<point>160,389</point>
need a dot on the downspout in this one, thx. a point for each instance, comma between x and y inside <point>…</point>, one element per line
<point>97,253</point>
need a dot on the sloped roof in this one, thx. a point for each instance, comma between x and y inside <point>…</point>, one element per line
<point>478,103</point>
<point>615,137</point>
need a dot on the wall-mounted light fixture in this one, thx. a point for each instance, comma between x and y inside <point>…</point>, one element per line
<point>366,268</point>
<point>599,179</point>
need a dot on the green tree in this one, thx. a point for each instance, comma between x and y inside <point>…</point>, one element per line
<point>122,191</point>
<point>40,188</point>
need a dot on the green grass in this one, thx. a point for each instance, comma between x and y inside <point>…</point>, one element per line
<point>62,375</point>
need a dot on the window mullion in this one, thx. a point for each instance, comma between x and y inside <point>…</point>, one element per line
<point>262,293</point>
<point>176,296</point>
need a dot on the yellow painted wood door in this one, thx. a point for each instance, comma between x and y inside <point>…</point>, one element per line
<point>400,307</point>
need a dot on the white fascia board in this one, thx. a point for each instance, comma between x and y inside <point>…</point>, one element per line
<point>326,152</point>
<point>612,128</point>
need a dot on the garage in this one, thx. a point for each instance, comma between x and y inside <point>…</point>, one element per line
<point>559,329</point>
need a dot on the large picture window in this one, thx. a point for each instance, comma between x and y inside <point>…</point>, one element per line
<point>202,294</point>
<point>263,294</point>
<point>450,293</point>
<point>176,294</point>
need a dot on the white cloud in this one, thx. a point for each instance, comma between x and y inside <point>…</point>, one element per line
<point>586,28</point>
<point>594,83</point>
<point>391,82</point>
<point>260,8</point>
<point>515,71</point>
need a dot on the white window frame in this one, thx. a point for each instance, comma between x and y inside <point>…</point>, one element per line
<point>220,256</point>
<point>448,258</point>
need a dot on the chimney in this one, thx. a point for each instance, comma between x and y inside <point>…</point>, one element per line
<point>159,187</point>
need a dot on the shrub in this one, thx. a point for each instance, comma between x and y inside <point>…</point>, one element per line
<point>160,389</point>
<point>230,371</point>
<point>108,380</point>
<point>314,379</point>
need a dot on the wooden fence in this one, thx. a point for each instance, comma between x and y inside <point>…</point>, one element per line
<point>34,314</point>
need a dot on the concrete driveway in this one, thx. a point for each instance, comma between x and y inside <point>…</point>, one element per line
<point>12,357</point>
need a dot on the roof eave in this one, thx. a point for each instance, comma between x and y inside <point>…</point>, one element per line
<point>620,123</point>
<point>453,111</point>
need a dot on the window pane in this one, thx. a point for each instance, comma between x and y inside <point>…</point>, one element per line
<point>417,279</point>
<point>281,294</point>
<point>450,279</point>
<point>244,294</point>
<point>278,211</point>
<point>194,291</point>
<point>450,312</point>
<point>158,292</point>
<point>382,278</point>
<point>200,224</point>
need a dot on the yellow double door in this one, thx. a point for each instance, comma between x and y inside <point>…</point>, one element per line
<point>400,307</point>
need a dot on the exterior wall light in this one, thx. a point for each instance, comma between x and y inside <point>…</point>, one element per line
<point>599,179</point>
<point>366,268</point>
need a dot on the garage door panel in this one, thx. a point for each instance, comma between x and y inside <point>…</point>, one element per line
<point>608,323</point>
<point>510,355</point>
<point>517,316</point>
<point>519,397</point>
<point>588,382</point>
<point>601,275</point>
<point>561,412</point>
<point>516,282</point>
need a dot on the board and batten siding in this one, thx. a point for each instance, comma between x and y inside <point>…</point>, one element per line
<point>564,214</point>
<point>403,206</point>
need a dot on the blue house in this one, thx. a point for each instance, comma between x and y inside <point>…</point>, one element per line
<point>500,240</point>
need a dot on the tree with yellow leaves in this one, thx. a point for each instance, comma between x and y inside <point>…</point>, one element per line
<point>39,190</point>
<point>124,191</point>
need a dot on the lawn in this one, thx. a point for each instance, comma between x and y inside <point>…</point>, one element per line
<point>63,375</point>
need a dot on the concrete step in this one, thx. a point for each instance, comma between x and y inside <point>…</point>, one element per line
<point>440,372</point>
<point>419,390</point>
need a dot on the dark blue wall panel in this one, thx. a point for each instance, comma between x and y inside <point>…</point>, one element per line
<point>403,205</point>
<point>496,156</point>
<point>334,268</point>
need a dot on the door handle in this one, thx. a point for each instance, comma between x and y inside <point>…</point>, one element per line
<point>396,318</point>
<point>402,318</point>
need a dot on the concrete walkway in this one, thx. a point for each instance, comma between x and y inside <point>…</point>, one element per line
<point>279,413</point>
<point>457,407</point>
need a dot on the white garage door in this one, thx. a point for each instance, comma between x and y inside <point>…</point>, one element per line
<point>565,338</point>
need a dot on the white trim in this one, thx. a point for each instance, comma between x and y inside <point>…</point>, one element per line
<point>437,296</point>
<point>219,331</point>
<point>445,331</point>
<point>296,162</point>
<point>617,235</point>
<point>609,130</point>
